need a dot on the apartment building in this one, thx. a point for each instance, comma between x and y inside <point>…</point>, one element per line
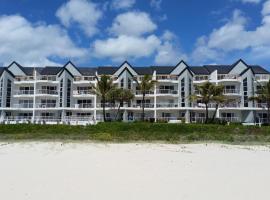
<point>63,94</point>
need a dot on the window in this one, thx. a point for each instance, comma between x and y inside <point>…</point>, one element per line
<point>1,92</point>
<point>27,90</point>
<point>245,89</point>
<point>183,93</point>
<point>85,103</point>
<point>190,90</point>
<point>122,83</point>
<point>8,97</point>
<point>129,84</point>
<point>68,92</point>
<point>61,94</point>
<point>48,103</point>
<point>24,103</point>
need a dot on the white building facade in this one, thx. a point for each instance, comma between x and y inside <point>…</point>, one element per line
<point>64,94</point>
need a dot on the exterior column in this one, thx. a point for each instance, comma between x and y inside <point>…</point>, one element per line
<point>34,98</point>
<point>218,113</point>
<point>155,103</point>
<point>63,116</point>
<point>187,116</point>
<point>2,117</point>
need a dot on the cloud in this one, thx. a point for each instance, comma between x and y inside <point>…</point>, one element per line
<point>122,4</point>
<point>126,47</point>
<point>34,44</point>
<point>82,12</point>
<point>235,37</point>
<point>156,4</point>
<point>132,23</point>
<point>250,1</point>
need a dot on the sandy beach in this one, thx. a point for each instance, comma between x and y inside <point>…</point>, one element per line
<point>68,171</point>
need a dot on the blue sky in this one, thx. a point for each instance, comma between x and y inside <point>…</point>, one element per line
<point>144,32</point>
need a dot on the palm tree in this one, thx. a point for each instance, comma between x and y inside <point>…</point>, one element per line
<point>122,96</point>
<point>103,87</point>
<point>145,85</point>
<point>205,94</point>
<point>217,98</point>
<point>263,95</point>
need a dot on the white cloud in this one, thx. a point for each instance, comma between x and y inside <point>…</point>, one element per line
<point>34,44</point>
<point>122,4</point>
<point>234,36</point>
<point>126,47</point>
<point>85,13</point>
<point>250,1</point>
<point>132,23</point>
<point>156,4</point>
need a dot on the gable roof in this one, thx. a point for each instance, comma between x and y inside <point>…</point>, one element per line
<point>103,70</point>
<point>163,69</point>
<point>258,69</point>
<point>143,70</point>
<point>51,70</point>
<point>197,70</point>
<point>88,71</point>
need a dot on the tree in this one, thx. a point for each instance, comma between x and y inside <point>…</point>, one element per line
<point>146,84</point>
<point>263,95</point>
<point>103,87</point>
<point>120,95</point>
<point>205,94</point>
<point>217,98</point>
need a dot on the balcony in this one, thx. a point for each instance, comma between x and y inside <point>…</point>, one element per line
<point>46,105</point>
<point>229,119</point>
<point>231,92</point>
<point>83,79</point>
<point>83,93</point>
<point>44,92</point>
<point>231,105</point>
<point>23,105</point>
<point>47,79</point>
<point>228,77</point>
<point>167,105</point>
<point>202,105</point>
<point>138,92</point>
<point>164,78</point>
<point>84,105</point>
<point>24,92</point>
<point>261,105</point>
<point>167,92</point>
<point>262,78</point>
<point>140,105</point>
<point>200,78</point>
<point>24,79</point>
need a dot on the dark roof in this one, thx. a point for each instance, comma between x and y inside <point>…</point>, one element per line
<point>107,70</point>
<point>258,69</point>
<point>221,69</point>
<point>2,70</point>
<point>163,69</point>
<point>199,70</point>
<point>50,70</point>
<point>143,70</point>
<point>87,71</point>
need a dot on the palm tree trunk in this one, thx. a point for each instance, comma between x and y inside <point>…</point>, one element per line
<point>143,104</point>
<point>103,109</point>
<point>206,113</point>
<point>213,118</point>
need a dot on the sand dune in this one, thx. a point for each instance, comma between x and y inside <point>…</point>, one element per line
<point>75,171</point>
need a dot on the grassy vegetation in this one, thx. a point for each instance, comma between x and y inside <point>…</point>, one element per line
<point>128,132</point>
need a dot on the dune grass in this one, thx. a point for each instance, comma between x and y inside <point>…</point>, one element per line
<point>129,132</point>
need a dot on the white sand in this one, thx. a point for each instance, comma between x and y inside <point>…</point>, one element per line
<point>74,171</point>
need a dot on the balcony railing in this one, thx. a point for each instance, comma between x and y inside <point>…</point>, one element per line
<point>201,78</point>
<point>46,105</point>
<point>167,105</point>
<point>230,105</point>
<point>24,92</point>
<point>261,105</point>
<point>18,118</point>
<point>83,92</point>
<point>228,77</point>
<point>46,78</point>
<point>202,105</point>
<point>140,105</point>
<point>24,78</point>
<point>161,91</point>
<point>167,77</point>
<point>229,119</point>
<point>138,92</point>
<point>231,91</point>
<point>48,92</point>
<point>23,105</point>
<point>84,78</point>
<point>84,105</point>
<point>263,77</point>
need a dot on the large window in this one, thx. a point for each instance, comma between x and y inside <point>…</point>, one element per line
<point>122,83</point>
<point>68,92</point>
<point>245,90</point>
<point>8,97</point>
<point>61,94</point>
<point>85,103</point>
<point>1,92</point>
<point>129,84</point>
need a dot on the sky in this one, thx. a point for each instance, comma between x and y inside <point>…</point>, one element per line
<point>143,32</point>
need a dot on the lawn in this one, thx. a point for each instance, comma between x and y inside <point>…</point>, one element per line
<point>130,132</point>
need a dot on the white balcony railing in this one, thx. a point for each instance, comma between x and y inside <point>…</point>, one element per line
<point>161,91</point>
<point>24,92</point>
<point>167,77</point>
<point>230,119</point>
<point>228,77</point>
<point>262,77</point>
<point>261,105</point>
<point>84,78</point>
<point>167,105</point>
<point>231,91</point>
<point>48,92</point>
<point>138,92</point>
<point>84,105</point>
<point>46,105</point>
<point>24,78</point>
<point>23,105</point>
<point>46,78</point>
<point>200,78</point>
<point>83,92</point>
<point>140,105</point>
